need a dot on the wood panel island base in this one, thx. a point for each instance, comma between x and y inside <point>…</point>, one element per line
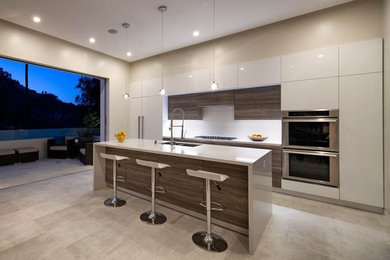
<point>246,196</point>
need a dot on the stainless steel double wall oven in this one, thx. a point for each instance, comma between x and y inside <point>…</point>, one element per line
<point>311,146</point>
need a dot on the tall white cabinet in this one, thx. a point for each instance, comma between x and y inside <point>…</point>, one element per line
<point>361,122</point>
<point>361,139</point>
<point>146,109</point>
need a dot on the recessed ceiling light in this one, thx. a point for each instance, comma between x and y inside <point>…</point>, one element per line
<point>195,33</point>
<point>242,68</point>
<point>92,40</point>
<point>320,55</point>
<point>36,19</point>
<point>190,76</point>
<point>128,54</point>
<point>113,31</point>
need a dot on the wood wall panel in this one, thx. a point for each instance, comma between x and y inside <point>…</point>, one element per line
<point>234,193</point>
<point>181,190</point>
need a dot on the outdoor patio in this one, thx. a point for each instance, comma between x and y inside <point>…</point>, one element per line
<point>43,169</point>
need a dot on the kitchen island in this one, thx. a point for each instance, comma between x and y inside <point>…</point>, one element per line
<point>246,195</point>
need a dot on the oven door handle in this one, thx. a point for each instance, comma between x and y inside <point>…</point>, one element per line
<point>327,154</point>
<point>314,120</point>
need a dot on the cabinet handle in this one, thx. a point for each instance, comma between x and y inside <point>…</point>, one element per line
<point>139,125</point>
<point>313,120</point>
<point>143,124</point>
<point>327,154</point>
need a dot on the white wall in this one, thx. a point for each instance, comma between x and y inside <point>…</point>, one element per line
<point>27,45</point>
<point>387,101</point>
<point>219,121</point>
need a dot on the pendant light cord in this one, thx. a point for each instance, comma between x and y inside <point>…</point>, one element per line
<point>162,48</point>
<point>214,43</point>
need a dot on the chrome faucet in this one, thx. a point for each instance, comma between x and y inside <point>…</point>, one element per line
<point>173,126</point>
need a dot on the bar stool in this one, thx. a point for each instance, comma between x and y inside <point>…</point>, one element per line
<point>114,201</point>
<point>205,239</point>
<point>153,217</point>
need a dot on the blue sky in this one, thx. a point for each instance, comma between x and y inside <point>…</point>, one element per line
<point>57,82</point>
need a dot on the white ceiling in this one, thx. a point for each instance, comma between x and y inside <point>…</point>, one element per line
<point>78,20</point>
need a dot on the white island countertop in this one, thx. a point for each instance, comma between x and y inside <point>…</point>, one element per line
<point>217,153</point>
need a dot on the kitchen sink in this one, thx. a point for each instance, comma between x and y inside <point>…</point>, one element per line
<point>181,144</point>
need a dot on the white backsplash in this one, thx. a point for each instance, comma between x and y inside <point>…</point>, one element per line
<point>219,121</point>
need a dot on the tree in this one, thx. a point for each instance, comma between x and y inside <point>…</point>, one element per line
<point>89,97</point>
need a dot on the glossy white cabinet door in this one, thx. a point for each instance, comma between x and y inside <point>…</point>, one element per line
<point>136,89</point>
<point>310,94</point>
<point>321,63</point>
<point>361,57</point>
<point>151,87</point>
<point>135,114</point>
<point>361,139</point>
<point>226,76</point>
<point>259,73</point>
<point>175,84</point>
<point>199,80</point>
<point>152,111</point>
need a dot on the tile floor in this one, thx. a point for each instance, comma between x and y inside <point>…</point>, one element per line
<point>22,173</point>
<point>62,218</point>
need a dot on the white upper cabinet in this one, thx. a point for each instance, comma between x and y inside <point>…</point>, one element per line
<point>361,139</point>
<point>226,76</point>
<point>321,63</point>
<point>310,94</point>
<point>136,89</point>
<point>199,80</point>
<point>152,120</point>
<point>175,84</point>
<point>259,72</point>
<point>151,87</point>
<point>135,114</point>
<point>361,57</point>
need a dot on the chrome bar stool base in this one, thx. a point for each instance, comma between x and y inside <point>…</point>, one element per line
<point>115,203</point>
<point>214,243</point>
<point>157,219</point>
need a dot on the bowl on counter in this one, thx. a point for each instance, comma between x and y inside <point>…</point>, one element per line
<point>256,138</point>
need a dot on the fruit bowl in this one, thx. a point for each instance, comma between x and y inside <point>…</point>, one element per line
<point>257,137</point>
<point>121,136</point>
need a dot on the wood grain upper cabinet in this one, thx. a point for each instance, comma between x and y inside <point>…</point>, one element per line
<point>257,103</point>
<point>220,98</point>
<point>189,103</point>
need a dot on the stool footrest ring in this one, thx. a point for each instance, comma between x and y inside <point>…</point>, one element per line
<point>218,208</point>
<point>120,178</point>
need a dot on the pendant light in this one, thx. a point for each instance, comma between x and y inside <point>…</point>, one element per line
<point>126,95</point>
<point>214,84</point>
<point>162,9</point>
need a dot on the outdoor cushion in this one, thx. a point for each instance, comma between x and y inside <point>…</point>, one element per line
<point>26,150</point>
<point>58,148</point>
<point>7,151</point>
<point>82,151</point>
